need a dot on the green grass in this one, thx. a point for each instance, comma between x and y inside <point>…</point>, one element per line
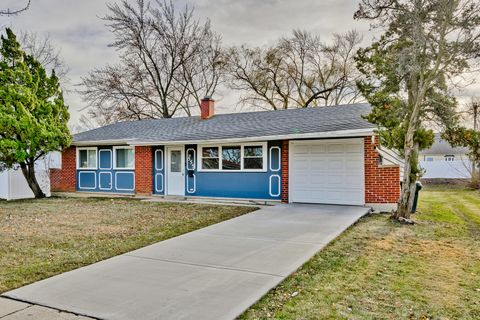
<point>381,269</point>
<point>41,238</point>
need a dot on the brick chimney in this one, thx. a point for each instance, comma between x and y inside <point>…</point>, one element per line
<point>207,108</point>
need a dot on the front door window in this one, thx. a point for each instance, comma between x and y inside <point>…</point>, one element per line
<point>175,161</point>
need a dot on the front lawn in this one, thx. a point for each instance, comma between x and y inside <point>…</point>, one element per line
<point>41,238</point>
<point>380,269</point>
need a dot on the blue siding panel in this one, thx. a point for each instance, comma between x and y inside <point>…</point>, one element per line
<point>105,179</point>
<point>158,174</point>
<point>250,185</point>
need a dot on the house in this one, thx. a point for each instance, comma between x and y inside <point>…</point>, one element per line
<point>442,161</point>
<point>311,155</point>
<point>14,186</point>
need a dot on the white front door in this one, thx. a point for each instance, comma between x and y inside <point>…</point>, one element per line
<point>327,171</point>
<point>175,171</point>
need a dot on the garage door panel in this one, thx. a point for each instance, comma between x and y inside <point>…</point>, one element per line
<point>328,172</point>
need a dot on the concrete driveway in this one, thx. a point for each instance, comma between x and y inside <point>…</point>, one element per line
<point>213,273</point>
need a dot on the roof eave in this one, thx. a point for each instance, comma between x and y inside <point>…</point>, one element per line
<point>314,135</point>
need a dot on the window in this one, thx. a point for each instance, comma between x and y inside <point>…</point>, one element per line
<point>253,157</point>
<point>240,157</point>
<point>429,159</point>
<point>231,158</point>
<point>124,158</point>
<point>87,158</point>
<point>449,157</point>
<point>210,158</point>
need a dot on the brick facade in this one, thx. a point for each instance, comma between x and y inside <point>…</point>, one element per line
<point>143,170</point>
<point>285,171</point>
<point>64,179</point>
<point>382,184</point>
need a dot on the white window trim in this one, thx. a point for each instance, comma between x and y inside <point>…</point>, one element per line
<point>96,158</point>
<point>100,180</point>
<point>242,146</point>
<point>116,180</point>
<point>156,160</point>
<point>110,154</point>
<point>115,157</point>
<point>194,159</point>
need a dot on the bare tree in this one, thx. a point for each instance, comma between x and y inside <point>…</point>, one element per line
<point>12,12</point>
<point>168,62</point>
<point>42,49</point>
<point>298,71</point>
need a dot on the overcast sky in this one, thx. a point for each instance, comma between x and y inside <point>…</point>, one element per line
<point>75,26</point>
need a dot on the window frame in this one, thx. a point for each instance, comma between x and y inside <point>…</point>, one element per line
<point>78,158</point>
<point>115,157</point>
<point>242,145</point>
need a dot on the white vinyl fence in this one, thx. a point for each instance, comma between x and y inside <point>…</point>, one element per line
<point>14,186</point>
<point>457,169</point>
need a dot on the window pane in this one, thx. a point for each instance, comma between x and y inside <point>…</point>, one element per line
<point>190,160</point>
<point>124,158</point>
<point>83,159</point>
<point>253,163</point>
<point>88,158</point>
<point>175,161</point>
<point>231,158</point>
<point>253,151</point>
<point>210,163</point>
<point>92,158</point>
<point>211,152</point>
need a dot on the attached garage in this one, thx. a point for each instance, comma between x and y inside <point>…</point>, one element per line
<point>327,171</point>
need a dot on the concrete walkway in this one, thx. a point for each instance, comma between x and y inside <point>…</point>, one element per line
<point>213,273</point>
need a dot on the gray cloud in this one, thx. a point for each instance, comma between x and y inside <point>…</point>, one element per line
<point>76,28</point>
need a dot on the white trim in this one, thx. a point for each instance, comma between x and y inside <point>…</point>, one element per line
<point>111,160</point>
<point>220,156</point>
<point>163,182</point>
<point>194,184</point>
<point>279,185</point>
<point>163,160</point>
<point>78,158</point>
<point>103,142</point>
<point>167,167</point>
<point>100,181</point>
<point>80,180</point>
<point>314,135</point>
<point>115,157</point>
<point>279,159</point>
<point>297,142</point>
<point>123,172</point>
<point>194,158</point>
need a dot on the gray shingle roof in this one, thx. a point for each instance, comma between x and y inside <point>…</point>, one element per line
<point>234,125</point>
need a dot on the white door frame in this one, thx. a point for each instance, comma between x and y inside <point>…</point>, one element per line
<point>167,167</point>
<point>290,159</point>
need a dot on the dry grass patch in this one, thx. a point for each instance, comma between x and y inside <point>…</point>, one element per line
<point>41,238</point>
<point>380,269</point>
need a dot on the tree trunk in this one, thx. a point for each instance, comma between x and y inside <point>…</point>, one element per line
<point>28,171</point>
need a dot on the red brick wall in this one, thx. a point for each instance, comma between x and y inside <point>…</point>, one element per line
<point>143,170</point>
<point>285,171</point>
<point>382,184</point>
<point>65,179</point>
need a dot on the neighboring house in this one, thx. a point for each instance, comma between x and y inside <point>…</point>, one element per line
<point>14,186</point>
<point>442,161</point>
<point>311,155</point>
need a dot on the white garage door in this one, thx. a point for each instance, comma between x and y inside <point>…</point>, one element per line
<point>327,171</point>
